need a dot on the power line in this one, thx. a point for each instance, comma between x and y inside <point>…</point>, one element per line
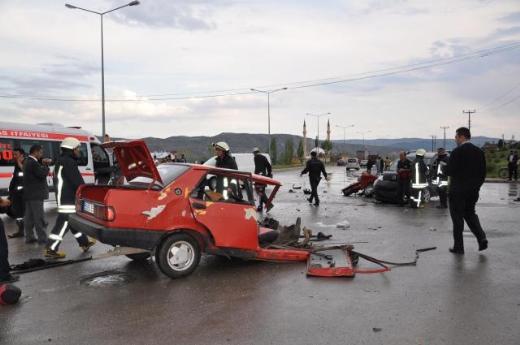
<point>482,53</point>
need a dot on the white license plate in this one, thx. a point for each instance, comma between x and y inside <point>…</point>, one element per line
<point>88,207</point>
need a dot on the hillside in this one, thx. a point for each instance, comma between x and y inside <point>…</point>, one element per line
<point>199,148</point>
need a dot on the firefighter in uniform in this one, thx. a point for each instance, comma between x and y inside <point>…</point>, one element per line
<point>67,179</point>
<point>16,192</point>
<point>441,179</point>
<point>315,168</point>
<point>228,187</point>
<point>264,168</point>
<point>419,182</point>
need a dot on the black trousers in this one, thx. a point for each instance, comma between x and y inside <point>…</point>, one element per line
<point>260,190</point>
<point>462,208</point>
<point>513,171</point>
<point>404,189</point>
<point>314,181</point>
<point>4,263</point>
<point>443,196</point>
<point>60,229</point>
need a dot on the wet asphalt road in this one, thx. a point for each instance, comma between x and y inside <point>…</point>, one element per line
<point>445,299</point>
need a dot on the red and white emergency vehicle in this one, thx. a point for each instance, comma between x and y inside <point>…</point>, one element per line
<point>49,135</point>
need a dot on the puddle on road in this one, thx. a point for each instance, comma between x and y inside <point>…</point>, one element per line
<point>106,279</point>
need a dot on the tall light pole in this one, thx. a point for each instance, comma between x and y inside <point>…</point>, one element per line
<point>344,133</point>
<point>363,134</point>
<point>269,92</point>
<point>444,138</point>
<point>101,14</point>
<point>317,116</point>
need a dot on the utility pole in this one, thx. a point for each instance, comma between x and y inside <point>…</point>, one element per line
<point>444,138</point>
<point>469,112</point>
<point>434,146</point>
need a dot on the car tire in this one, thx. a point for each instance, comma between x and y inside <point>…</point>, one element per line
<point>178,255</point>
<point>138,257</point>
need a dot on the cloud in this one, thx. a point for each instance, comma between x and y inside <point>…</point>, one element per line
<point>188,15</point>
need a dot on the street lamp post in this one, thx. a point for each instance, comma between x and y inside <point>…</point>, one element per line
<point>101,14</point>
<point>317,116</point>
<point>363,134</point>
<point>269,92</point>
<point>344,133</point>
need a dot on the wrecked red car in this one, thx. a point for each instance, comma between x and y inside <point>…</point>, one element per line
<point>177,211</point>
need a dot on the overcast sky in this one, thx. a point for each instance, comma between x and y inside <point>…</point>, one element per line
<point>177,49</point>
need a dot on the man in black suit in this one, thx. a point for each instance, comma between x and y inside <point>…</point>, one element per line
<point>35,192</point>
<point>315,168</point>
<point>467,172</point>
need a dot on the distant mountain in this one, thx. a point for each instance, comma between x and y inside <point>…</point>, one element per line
<point>199,147</point>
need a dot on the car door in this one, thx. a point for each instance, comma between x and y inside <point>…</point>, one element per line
<point>224,204</point>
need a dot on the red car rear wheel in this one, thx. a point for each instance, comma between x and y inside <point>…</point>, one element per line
<point>178,255</point>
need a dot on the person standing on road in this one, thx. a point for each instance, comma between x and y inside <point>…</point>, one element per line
<point>419,181</point>
<point>467,172</point>
<point>228,187</point>
<point>67,180</point>
<point>5,276</point>
<point>16,192</point>
<point>264,168</point>
<point>512,165</point>
<point>35,192</point>
<point>315,168</point>
<point>224,158</point>
<point>404,168</point>
<point>441,179</point>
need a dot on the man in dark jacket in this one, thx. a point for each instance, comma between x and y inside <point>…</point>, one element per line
<point>512,165</point>
<point>262,167</point>
<point>404,169</point>
<point>440,179</point>
<point>467,172</point>
<point>315,168</point>
<point>5,276</point>
<point>35,191</point>
<point>67,180</point>
<point>16,192</point>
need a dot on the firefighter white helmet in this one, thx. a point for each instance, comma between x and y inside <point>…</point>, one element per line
<point>221,145</point>
<point>420,152</point>
<point>256,149</point>
<point>70,143</point>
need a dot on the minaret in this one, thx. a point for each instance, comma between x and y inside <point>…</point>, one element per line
<point>328,130</point>
<point>304,139</point>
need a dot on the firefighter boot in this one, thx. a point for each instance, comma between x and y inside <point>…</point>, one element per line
<point>52,254</point>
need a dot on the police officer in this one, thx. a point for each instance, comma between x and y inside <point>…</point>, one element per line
<point>467,172</point>
<point>419,182</point>
<point>441,179</point>
<point>404,168</point>
<point>315,168</point>
<point>16,192</point>
<point>264,168</point>
<point>67,180</point>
